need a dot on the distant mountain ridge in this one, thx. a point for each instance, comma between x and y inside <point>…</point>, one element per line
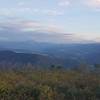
<point>7,56</point>
<point>46,54</point>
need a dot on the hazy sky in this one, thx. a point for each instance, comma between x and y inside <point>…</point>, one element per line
<point>50,20</point>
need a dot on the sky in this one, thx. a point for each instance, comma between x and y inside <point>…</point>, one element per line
<point>56,21</point>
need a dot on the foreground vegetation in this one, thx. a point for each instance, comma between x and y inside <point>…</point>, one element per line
<point>32,84</point>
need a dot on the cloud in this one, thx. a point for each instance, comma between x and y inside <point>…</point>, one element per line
<point>64,3</point>
<point>93,3</point>
<point>9,12</point>
<point>58,8</point>
<point>37,31</point>
<point>32,30</point>
<point>52,12</point>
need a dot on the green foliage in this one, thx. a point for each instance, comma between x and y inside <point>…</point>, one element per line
<point>49,85</point>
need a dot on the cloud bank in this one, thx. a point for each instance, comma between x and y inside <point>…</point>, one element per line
<point>58,20</point>
<point>35,31</point>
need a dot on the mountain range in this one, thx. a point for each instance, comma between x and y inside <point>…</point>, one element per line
<point>47,54</point>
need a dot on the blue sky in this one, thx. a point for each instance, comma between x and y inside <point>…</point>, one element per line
<point>60,21</point>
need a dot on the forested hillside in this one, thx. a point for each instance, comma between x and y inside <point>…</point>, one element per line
<point>51,84</point>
